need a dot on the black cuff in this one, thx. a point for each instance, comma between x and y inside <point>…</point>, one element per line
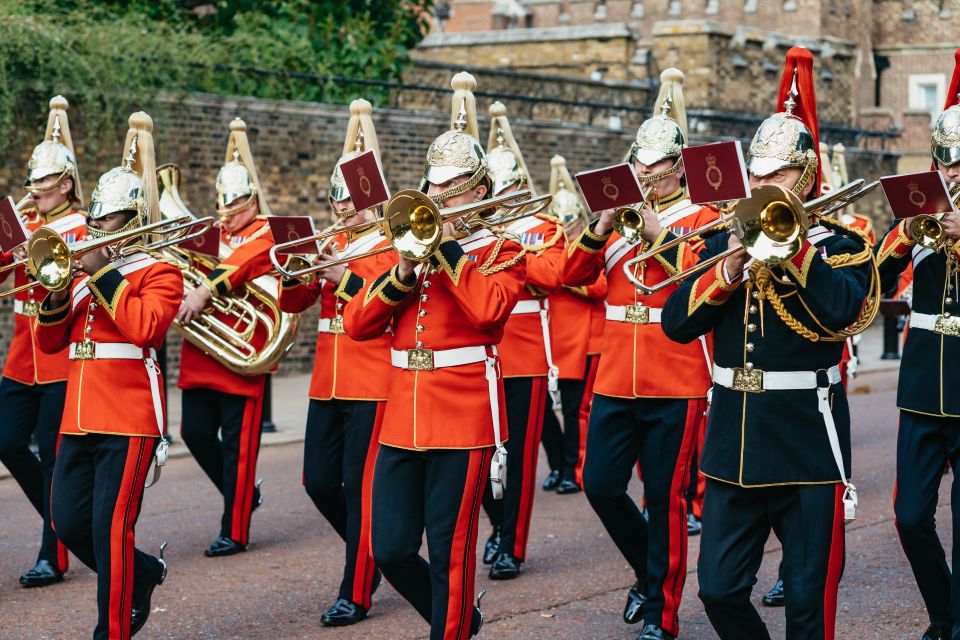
<point>107,285</point>
<point>350,285</point>
<point>53,316</point>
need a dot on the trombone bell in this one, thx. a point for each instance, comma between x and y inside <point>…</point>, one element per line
<point>770,223</point>
<point>414,224</point>
<point>49,259</point>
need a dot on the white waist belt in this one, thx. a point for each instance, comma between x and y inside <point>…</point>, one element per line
<point>428,359</point>
<point>553,371</point>
<point>109,351</point>
<point>944,325</point>
<point>756,380</point>
<point>634,314</point>
<point>530,306</point>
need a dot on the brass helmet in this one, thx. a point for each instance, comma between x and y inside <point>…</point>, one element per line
<point>504,159</point>
<point>945,141</point>
<point>788,139</point>
<point>133,185</point>
<point>457,152</point>
<point>55,155</point>
<point>567,205</point>
<point>665,134</point>
<point>361,136</point>
<point>238,175</point>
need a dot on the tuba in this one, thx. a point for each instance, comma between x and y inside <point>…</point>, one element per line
<point>258,334</point>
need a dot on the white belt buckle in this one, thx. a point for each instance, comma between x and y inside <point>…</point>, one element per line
<point>947,326</point>
<point>86,350</point>
<point>336,325</point>
<point>31,309</point>
<point>637,314</point>
<point>420,359</point>
<point>747,380</point>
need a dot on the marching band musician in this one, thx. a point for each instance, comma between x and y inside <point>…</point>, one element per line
<point>577,315</point>
<point>929,407</point>
<point>216,399</point>
<point>348,388</point>
<point>777,449</point>
<point>33,386</point>
<point>529,371</point>
<point>445,412</point>
<point>112,321</point>
<point>638,412</point>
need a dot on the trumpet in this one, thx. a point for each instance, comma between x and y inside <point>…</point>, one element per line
<point>628,221</point>
<point>927,230</point>
<point>770,224</point>
<point>413,224</point>
<point>50,258</point>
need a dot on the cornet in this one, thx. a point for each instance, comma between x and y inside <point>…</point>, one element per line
<point>770,223</point>
<point>927,230</point>
<point>628,221</point>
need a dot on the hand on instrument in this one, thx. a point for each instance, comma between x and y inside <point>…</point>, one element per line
<point>193,304</point>
<point>735,262</point>
<point>951,225</point>
<point>335,273</point>
<point>57,298</point>
<point>20,253</point>
<point>605,223</point>
<point>651,225</point>
<point>92,262</point>
<point>450,229</point>
<point>405,268</point>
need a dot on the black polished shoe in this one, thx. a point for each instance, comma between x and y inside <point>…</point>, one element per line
<point>343,613</point>
<point>653,632</point>
<point>224,546</point>
<point>140,610</point>
<point>476,622</point>
<point>567,487</point>
<point>550,484</point>
<point>694,526</point>
<point>505,567</point>
<point>636,603</point>
<point>492,547</point>
<point>936,632</point>
<point>43,574</point>
<point>774,597</point>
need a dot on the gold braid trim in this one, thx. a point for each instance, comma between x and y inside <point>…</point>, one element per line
<point>488,268</point>
<point>543,246</point>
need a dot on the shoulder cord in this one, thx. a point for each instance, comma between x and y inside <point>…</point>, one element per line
<point>488,268</point>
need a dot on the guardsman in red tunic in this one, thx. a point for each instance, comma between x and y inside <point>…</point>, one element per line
<point>529,371</point>
<point>111,322</point>
<point>348,390</point>
<point>575,347</point>
<point>445,412</point>
<point>34,383</point>
<point>215,399</point>
<point>650,393</point>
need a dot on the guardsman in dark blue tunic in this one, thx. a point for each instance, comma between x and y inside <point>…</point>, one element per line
<point>929,434</point>
<point>777,448</point>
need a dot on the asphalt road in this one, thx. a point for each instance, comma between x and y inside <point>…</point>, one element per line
<point>572,586</point>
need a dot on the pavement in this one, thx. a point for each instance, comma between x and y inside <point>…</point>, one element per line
<point>572,586</point>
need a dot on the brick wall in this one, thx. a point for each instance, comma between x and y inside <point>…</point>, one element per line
<point>296,144</point>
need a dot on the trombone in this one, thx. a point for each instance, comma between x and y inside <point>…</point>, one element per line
<point>413,224</point>
<point>50,258</point>
<point>770,224</point>
<point>927,230</point>
<point>25,208</point>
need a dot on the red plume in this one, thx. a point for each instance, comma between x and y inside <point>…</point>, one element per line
<point>801,60</point>
<point>954,87</point>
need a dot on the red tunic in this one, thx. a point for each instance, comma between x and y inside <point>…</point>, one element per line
<point>638,360</point>
<point>26,363</point>
<point>248,259</point>
<point>522,350</point>
<point>576,324</point>
<point>345,368</point>
<point>130,302</point>
<point>462,298</point>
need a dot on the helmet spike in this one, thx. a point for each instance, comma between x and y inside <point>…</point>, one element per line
<point>790,104</point>
<point>666,106</point>
<point>460,124</point>
<point>131,155</point>
<point>55,136</point>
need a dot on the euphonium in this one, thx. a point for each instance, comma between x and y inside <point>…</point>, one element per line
<point>258,334</point>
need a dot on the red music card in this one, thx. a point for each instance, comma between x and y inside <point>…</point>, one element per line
<point>207,243</point>
<point>12,231</point>
<point>610,187</point>
<point>290,228</point>
<point>716,172</point>
<point>365,182</point>
<point>914,194</point>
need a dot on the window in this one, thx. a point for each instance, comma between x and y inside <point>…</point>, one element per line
<point>927,91</point>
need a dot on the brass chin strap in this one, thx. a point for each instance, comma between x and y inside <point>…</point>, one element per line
<point>653,177</point>
<point>35,190</point>
<point>229,212</point>
<point>809,169</point>
<point>99,233</point>
<point>474,180</point>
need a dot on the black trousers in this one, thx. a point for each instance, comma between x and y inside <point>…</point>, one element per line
<point>808,520</point>
<point>563,446</point>
<point>661,434</point>
<point>339,452</point>
<point>524,403</point>
<point>438,491</point>
<point>925,444</point>
<point>33,410</point>
<point>97,493</point>
<point>230,460</point>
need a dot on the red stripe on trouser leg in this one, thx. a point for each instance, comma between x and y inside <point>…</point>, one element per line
<point>365,568</point>
<point>585,406</point>
<point>677,519</point>
<point>697,507</point>
<point>139,454</point>
<point>246,469</point>
<point>834,568</point>
<point>531,451</point>
<point>463,550</point>
<point>63,554</point>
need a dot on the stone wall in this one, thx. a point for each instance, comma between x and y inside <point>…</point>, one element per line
<point>296,144</point>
